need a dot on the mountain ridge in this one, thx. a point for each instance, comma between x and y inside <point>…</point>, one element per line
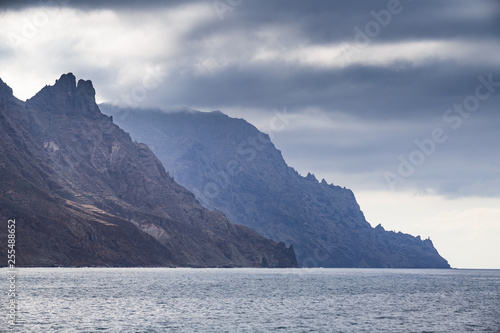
<point>84,194</point>
<point>230,165</point>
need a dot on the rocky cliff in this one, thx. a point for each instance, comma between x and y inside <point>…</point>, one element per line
<point>84,194</point>
<point>231,166</point>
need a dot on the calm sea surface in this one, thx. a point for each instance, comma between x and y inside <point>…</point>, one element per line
<point>254,300</point>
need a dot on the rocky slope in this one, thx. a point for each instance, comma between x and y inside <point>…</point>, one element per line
<point>84,194</point>
<point>229,165</point>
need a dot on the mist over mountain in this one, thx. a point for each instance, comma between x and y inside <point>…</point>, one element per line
<point>230,165</point>
<point>83,193</point>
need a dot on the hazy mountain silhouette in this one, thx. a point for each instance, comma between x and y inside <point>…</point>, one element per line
<point>83,193</point>
<point>229,165</point>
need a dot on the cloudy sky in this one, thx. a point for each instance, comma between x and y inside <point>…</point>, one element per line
<point>397,100</point>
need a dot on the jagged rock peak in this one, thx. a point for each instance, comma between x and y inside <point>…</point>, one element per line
<point>5,91</point>
<point>66,83</point>
<point>311,177</point>
<point>65,96</point>
<point>85,86</point>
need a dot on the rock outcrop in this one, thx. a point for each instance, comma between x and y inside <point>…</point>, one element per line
<point>229,165</point>
<point>84,194</point>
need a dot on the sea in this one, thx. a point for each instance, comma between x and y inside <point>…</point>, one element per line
<point>251,300</point>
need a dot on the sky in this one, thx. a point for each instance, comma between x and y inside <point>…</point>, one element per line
<point>397,100</point>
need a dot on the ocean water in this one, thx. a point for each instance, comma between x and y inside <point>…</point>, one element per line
<point>254,300</point>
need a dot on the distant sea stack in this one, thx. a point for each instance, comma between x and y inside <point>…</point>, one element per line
<point>83,193</point>
<point>231,166</point>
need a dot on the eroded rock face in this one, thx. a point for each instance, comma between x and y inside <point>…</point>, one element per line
<point>83,193</point>
<point>229,165</point>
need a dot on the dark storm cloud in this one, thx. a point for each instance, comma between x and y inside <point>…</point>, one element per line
<point>327,21</point>
<point>330,21</point>
<point>374,92</point>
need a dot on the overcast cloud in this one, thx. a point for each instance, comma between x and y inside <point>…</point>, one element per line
<point>360,80</point>
<point>389,70</point>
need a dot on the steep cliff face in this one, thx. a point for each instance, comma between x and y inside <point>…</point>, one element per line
<point>83,193</point>
<point>229,165</point>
